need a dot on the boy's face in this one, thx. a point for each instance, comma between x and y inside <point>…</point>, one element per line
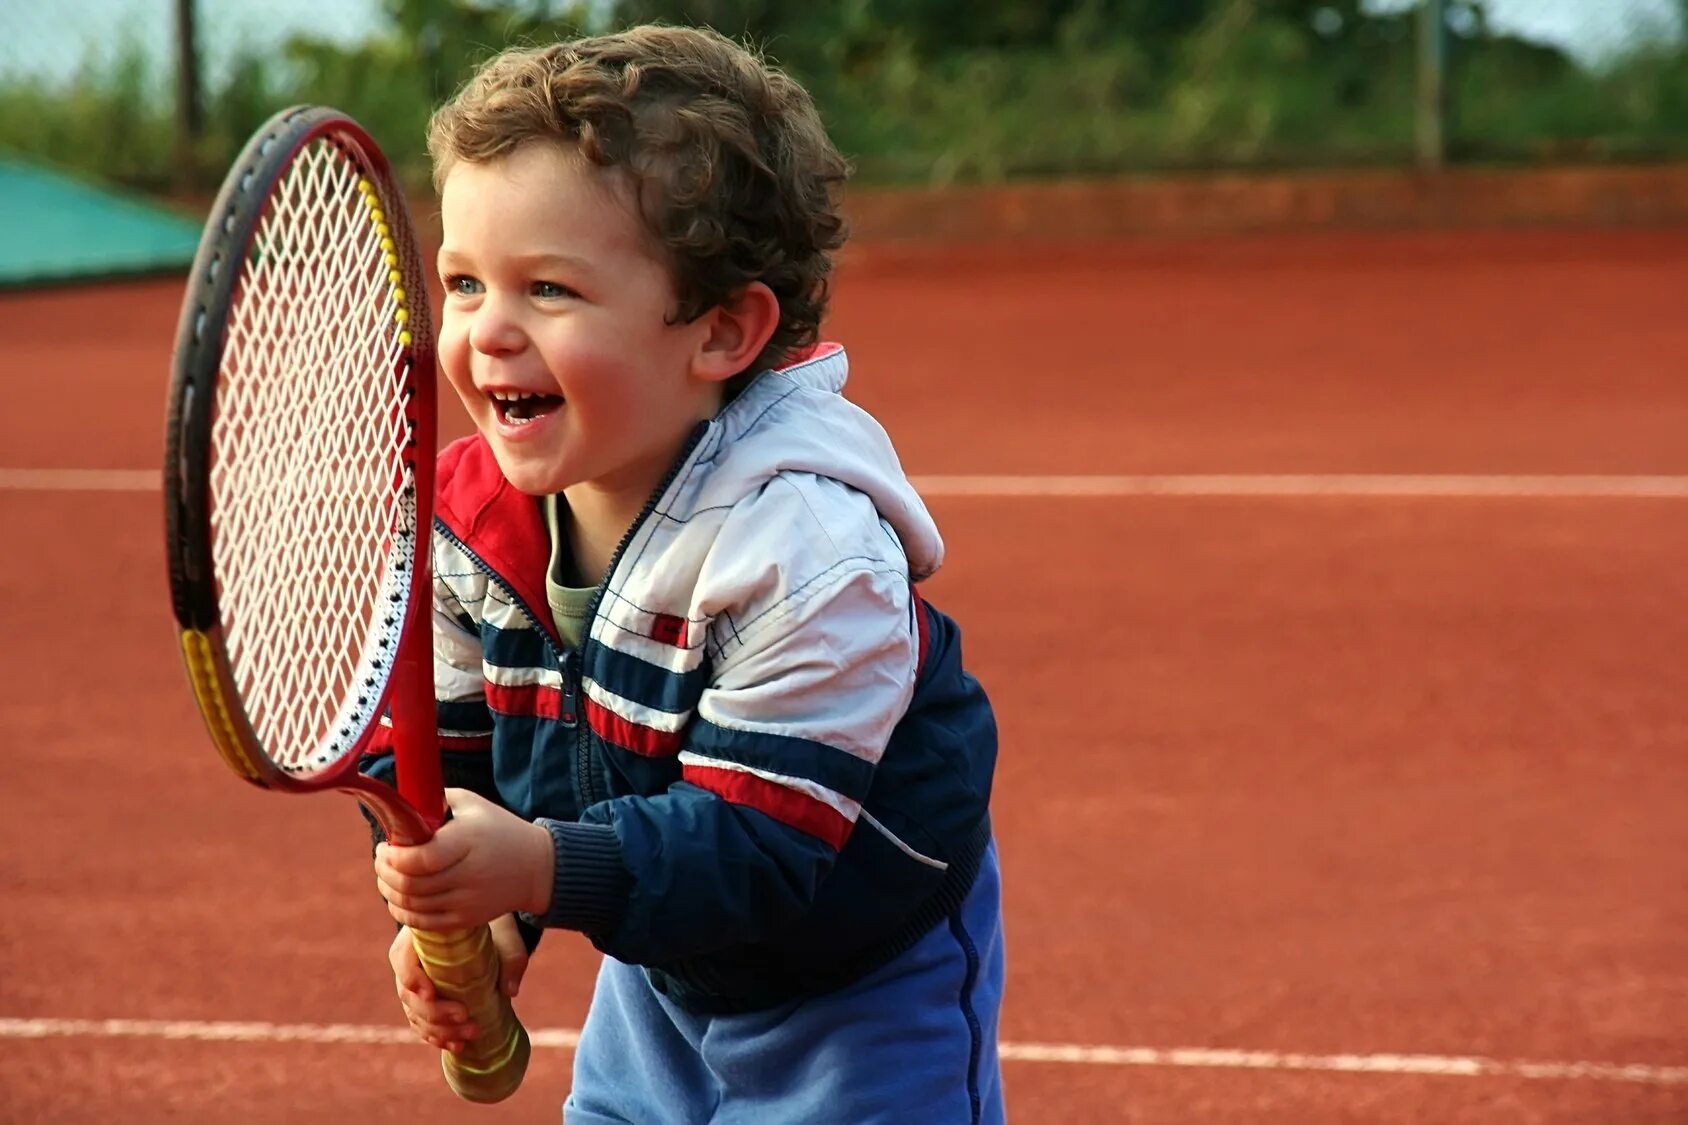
<point>554,331</point>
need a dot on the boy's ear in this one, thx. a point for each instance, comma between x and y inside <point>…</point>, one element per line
<point>740,328</point>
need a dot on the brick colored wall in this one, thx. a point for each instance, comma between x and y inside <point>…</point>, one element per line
<point>1596,196</point>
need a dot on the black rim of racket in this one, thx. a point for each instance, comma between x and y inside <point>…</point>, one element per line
<point>215,272</point>
<point>241,206</point>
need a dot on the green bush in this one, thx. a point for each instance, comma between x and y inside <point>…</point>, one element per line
<point>941,91</point>
<point>113,122</point>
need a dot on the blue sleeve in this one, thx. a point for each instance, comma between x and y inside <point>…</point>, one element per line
<point>774,767</point>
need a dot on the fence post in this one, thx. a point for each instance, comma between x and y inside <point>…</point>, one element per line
<point>1431,126</point>
<point>190,119</point>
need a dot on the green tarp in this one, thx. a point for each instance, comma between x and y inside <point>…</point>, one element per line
<point>55,229</point>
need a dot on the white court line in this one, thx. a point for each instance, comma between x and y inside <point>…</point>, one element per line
<point>1440,1065</point>
<point>1530,486</point>
<point>80,480</point>
<point>1515,486</point>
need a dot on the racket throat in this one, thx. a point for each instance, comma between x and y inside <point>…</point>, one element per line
<point>415,750</point>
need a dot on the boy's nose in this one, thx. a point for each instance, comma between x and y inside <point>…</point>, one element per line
<point>494,332</point>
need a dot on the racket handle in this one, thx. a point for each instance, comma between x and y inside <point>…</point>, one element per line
<point>463,965</point>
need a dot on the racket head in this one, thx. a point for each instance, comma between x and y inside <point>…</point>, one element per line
<point>299,454</point>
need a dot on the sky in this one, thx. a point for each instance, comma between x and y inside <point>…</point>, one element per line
<point>51,39</point>
<point>1589,29</point>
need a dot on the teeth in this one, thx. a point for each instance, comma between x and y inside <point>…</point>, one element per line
<point>519,408</point>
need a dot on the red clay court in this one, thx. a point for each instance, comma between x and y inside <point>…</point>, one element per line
<point>1342,698</point>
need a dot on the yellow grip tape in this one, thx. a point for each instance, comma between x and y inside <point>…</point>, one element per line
<point>463,965</point>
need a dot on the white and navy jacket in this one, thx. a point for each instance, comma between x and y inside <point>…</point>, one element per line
<point>766,771</point>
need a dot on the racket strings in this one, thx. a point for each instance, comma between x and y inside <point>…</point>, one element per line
<point>311,523</point>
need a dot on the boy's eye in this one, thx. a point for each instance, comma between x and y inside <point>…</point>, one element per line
<point>462,285</point>
<point>551,291</point>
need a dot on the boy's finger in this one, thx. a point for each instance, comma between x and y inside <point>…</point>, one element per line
<point>407,969</point>
<point>447,1032</point>
<point>418,895</point>
<point>436,921</point>
<point>438,1029</point>
<point>441,1039</point>
<point>446,1013</point>
<point>512,956</point>
<point>439,854</point>
<point>390,882</point>
<point>460,801</point>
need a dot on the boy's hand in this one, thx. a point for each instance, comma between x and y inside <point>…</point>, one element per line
<point>445,1023</point>
<point>484,863</point>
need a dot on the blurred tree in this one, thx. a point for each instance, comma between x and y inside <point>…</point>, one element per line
<point>391,81</point>
<point>939,91</point>
<point>930,27</point>
<point>451,36</point>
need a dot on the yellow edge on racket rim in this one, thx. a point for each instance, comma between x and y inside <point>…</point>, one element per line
<point>389,253</point>
<point>199,650</point>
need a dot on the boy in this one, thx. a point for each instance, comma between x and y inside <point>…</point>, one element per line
<point>697,710</point>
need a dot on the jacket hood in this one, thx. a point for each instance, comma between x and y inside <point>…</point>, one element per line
<point>796,420</point>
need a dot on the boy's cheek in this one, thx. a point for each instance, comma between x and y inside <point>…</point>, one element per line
<point>452,345</point>
<point>454,361</point>
<point>466,394</point>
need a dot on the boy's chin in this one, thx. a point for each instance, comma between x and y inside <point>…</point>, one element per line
<point>535,478</point>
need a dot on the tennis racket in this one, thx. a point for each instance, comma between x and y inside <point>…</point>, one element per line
<point>298,483</point>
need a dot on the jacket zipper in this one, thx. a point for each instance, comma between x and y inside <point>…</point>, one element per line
<point>583,736</point>
<point>568,660</point>
<point>570,712</point>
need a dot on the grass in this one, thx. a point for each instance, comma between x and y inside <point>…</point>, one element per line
<point>1250,96</point>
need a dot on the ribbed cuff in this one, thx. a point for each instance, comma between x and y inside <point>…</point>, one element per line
<point>590,888</point>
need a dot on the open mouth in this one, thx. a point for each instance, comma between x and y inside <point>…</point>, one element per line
<point>520,408</point>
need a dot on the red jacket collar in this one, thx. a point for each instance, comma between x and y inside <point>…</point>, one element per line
<point>501,525</point>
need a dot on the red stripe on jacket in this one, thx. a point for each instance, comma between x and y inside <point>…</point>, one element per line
<point>647,742</point>
<point>789,807</point>
<point>540,700</point>
<point>921,627</point>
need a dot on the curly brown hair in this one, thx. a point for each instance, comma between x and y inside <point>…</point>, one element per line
<point>735,174</point>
